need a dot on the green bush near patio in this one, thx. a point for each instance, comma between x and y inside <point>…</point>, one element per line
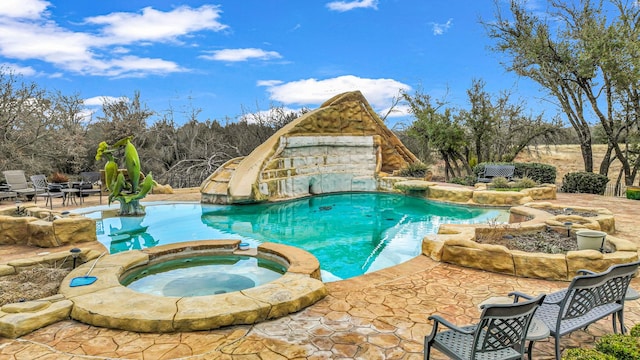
<point>584,183</point>
<point>586,354</point>
<point>610,347</point>
<point>416,169</point>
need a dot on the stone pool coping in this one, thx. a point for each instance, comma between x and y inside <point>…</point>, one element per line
<point>107,303</point>
<point>479,195</point>
<point>455,243</point>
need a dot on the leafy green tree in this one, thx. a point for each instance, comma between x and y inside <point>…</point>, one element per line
<point>438,130</point>
<point>586,55</point>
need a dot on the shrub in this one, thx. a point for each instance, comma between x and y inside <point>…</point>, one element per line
<point>525,183</point>
<point>468,180</point>
<point>499,182</point>
<point>540,173</point>
<point>416,169</point>
<point>585,183</point>
<point>586,354</point>
<point>620,346</point>
<point>635,330</point>
<point>633,193</point>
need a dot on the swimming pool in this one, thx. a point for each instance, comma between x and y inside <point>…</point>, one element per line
<point>350,233</point>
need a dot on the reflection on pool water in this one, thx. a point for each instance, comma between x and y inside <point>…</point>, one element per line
<point>350,233</point>
<point>203,275</point>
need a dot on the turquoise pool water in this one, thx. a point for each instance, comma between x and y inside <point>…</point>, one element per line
<point>350,233</point>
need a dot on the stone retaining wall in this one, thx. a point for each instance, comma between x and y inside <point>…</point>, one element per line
<point>456,244</point>
<point>44,228</point>
<point>479,195</point>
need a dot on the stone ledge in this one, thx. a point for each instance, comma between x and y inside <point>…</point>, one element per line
<point>44,227</point>
<point>456,244</point>
<point>22,318</point>
<point>479,195</point>
<point>107,303</point>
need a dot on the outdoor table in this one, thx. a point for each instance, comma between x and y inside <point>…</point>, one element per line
<point>70,194</point>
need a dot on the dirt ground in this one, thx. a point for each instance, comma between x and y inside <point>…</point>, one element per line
<point>566,159</point>
<point>32,284</point>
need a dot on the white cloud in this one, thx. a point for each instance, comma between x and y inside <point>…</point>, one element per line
<point>398,111</point>
<point>99,100</point>
<point>379,92</point>
<point>28,34</point>
<point>269,83</point>
<point>26,9</point>
<point>17,69</point>
<point>154,25</point>
<point>439,29</point>
<point>343,6</point>
<point>235,55</point>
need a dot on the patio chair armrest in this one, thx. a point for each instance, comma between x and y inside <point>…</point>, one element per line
<point>517,295</point>
<point>440,320</point>
<point>585,272</point>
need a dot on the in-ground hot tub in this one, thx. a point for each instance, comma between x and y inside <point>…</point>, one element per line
<point>109,303</point>
<point>202,275</point>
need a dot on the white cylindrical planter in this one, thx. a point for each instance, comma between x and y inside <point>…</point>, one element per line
<point>590,239</point>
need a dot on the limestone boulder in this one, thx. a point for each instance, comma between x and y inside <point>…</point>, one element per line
<point>539,265</point>
<point>41,234</point>
<point>545,192</point>
<point>450,194</point>
<point>22,318</point>
<point>14,230</point>
<point>162,189</point>
<point>76,229</point>
<point>495,258</point>
<point>432,247</point>
<point>498,198</point>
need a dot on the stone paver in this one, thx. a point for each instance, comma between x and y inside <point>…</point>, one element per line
<point>377,316</point>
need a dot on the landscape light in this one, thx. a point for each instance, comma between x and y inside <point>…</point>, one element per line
<point>567,225</point>
<point>75,252</point>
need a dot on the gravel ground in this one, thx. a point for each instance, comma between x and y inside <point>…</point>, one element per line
<point>32,284</point>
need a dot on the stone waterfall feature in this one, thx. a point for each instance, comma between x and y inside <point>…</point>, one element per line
<point>341,146</point>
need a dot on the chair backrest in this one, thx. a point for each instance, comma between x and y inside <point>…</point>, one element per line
<point>90,177</point>
<point>39,182</point>
<point>589,291</point>
<point>499,170</point>
<point>16,179</point>
<point>504,326</point>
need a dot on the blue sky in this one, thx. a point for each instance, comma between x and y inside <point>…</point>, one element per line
<point>230,56</point>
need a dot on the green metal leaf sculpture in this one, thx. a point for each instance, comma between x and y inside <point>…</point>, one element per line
<point>126,189</point>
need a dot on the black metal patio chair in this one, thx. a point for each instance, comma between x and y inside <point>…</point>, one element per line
<point>500,334</point>
<point>42,189</point>
<point>90,183</point>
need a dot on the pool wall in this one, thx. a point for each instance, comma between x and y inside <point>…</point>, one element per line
<point>107,303</point>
